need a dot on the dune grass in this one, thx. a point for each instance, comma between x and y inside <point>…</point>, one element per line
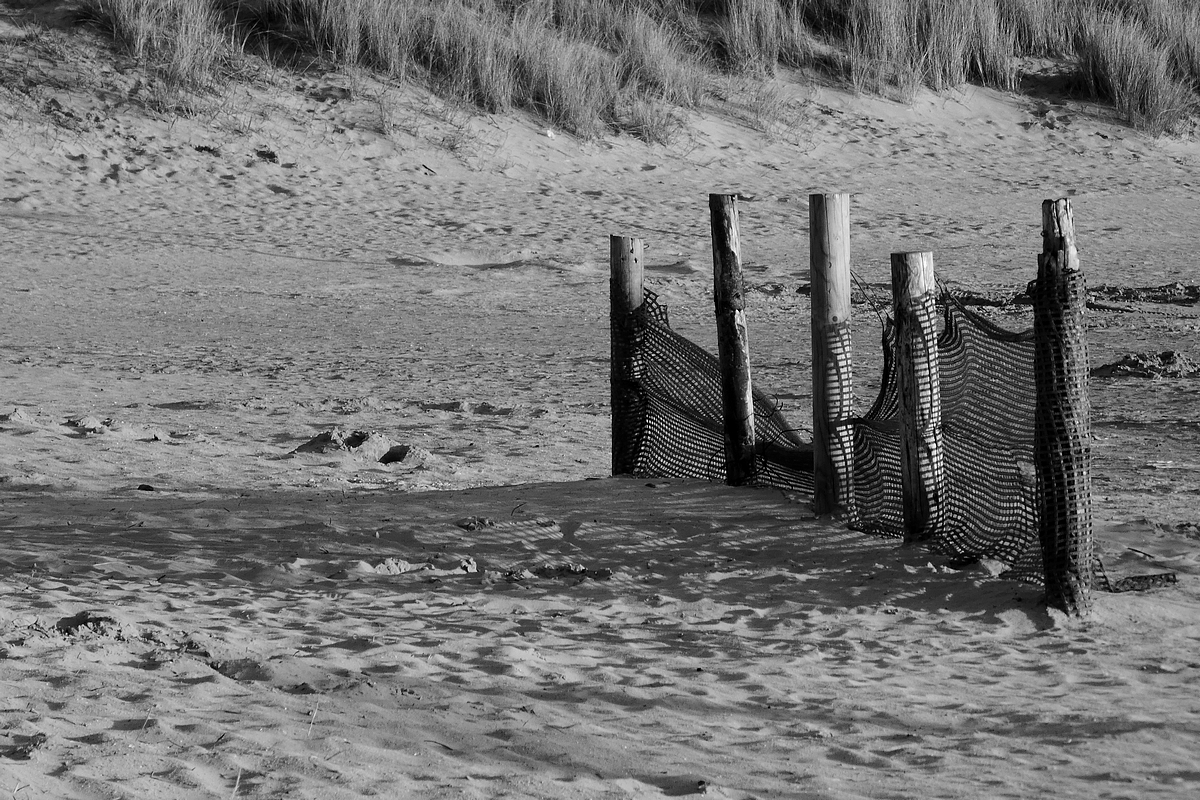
<point>1122,60</point>
<point>595,66</point>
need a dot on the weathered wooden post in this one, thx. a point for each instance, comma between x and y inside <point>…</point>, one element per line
<point>626,274</point>
<point>833,382</point>
<point>922,469</point>
<point>1062,425</point>
<point>737,399</point>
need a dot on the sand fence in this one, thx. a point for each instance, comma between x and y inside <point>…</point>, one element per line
<point>978,443</point>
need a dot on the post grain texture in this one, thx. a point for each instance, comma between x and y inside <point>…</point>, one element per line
<point>833,381</point>
<point>737,398</point>
<point>922,466</point>
<point>1062,424</point>
<point>625,298</point>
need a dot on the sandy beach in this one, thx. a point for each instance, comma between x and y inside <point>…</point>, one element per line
<point>194,604</point>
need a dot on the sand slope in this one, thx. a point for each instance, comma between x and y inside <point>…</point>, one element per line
<point>191,608</point>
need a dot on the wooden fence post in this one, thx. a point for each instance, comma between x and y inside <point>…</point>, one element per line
<point>737,399</point>
<point>1062,425</point>
<point>833,374</point>
<point>922,469</point>
<point>626,274</point>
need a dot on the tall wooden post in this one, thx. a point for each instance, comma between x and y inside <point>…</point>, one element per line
<point>737,399</point>
<point>922,469</point>
<point>625,297</point>
<point>833,381</point>
<point>1062,426</point>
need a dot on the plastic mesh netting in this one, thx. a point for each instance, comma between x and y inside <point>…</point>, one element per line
<point>678,426</point>
<point>988,398</point>
<point>1062,437</point>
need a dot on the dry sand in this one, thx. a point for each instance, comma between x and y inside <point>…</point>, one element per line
<point>188,609</point>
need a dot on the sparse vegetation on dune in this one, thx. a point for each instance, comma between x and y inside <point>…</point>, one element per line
<point>592,66</point>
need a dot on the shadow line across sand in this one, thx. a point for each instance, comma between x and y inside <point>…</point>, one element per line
<point>689,540</point>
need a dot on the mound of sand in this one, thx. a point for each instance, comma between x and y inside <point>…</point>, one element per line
<point>368,445</point>
<point>1164,364</point>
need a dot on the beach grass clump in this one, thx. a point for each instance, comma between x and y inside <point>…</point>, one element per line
<point>880,48</point>
<point>991,46</point>
<point>1121,61</point>
<point>462,46</point>
<point>654,61</point>
<point>584,65</point>
<point>750,35</point>
<point>943,31</point>
<point>179,40</point>
<point>1039,28</point>
<point>648,119</point>
<point>900,45</point>
<point>468,53</point>
<point>571,83</point>
<point>1175,24</point>
<point>587,70</point>
<point>798,43</point>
